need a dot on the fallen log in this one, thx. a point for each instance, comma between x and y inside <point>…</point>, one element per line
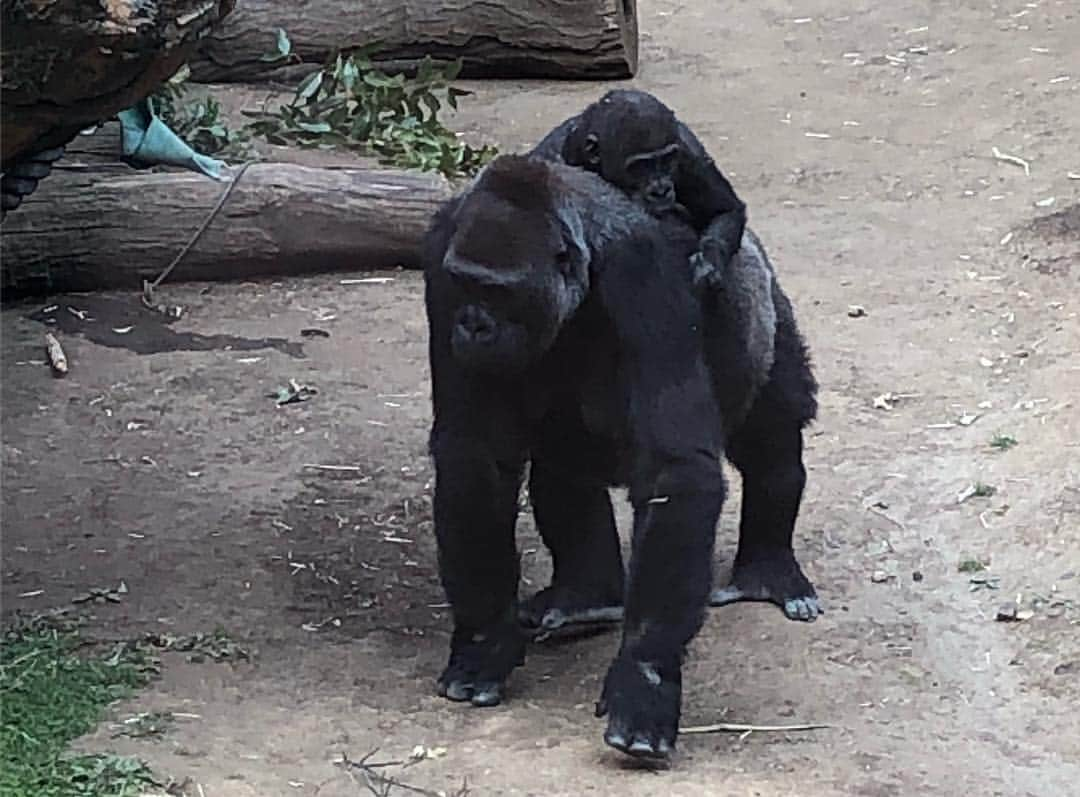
<point>103,225</point>
<point>67,64</point>
<point>584,39</point>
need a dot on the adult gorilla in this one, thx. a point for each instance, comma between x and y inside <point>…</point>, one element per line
<point>565,332</point>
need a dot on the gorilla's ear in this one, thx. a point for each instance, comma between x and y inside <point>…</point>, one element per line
<point>591,147</point>
<point>581,148</point>
<point>577,246</point>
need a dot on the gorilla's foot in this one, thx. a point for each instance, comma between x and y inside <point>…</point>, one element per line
<point>480,664</point>
<point>576,610</point>
<point>776,578</point>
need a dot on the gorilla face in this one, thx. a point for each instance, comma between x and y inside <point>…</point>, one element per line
<point>630,139</point>
<point>518,274</point>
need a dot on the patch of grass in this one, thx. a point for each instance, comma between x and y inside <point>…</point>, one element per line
<point>980,490</point>
<point>1002,442</point>
<point>52,692</point>
<point>970,566</point>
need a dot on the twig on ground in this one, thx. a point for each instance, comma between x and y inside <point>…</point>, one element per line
<point>1013,159</point>
<point>57,358</point>
<point>878,511</point>
<point>348,468</point>
<point>739,727</point>
<point>382,785</point>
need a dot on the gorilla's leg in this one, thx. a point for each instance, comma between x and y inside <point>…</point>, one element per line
<point>475,508</point>
<point>577,525</point>
<point>767,450</point>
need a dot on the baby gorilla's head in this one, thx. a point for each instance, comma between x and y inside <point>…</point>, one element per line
<point>631,139</point>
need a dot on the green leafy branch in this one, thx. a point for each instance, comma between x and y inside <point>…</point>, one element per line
<point>350,103</point>
<point>199,122</point>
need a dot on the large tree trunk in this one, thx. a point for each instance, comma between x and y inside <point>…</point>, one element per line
<point>68,64</point>
<point>521,38</point>
<point>101,226</point>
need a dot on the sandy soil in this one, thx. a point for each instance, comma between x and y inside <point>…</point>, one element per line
<point>861,135</point>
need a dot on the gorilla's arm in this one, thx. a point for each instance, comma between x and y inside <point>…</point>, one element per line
<point>709,198</point>
<point>676,487</point>
<point>478,447</point>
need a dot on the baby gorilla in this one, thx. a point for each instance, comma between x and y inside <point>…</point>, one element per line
<point>635,142</point>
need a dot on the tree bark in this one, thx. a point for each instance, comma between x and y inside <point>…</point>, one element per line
<point>522,38</point>
<point>100,226</point>
<point>67,64</point>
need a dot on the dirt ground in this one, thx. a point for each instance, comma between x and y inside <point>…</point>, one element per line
<point>861,135</point>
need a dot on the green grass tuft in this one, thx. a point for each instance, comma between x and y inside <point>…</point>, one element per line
<point>1002,442</point>
<point>51,694</point>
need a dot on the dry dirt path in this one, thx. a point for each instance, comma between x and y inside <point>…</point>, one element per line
<point>861,135</point>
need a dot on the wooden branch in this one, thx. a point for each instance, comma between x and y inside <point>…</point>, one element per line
<point>100,226</point>
<point>582,39</point>
<point>67,64</point>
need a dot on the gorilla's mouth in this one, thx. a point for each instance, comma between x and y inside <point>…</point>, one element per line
<point>475,326</point>
<point>659,201</point>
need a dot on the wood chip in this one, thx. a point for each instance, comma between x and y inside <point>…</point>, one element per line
<point>57,358</point>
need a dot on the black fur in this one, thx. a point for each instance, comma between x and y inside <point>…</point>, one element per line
<point>752,343</point>
<point>620,395</point>
<point>628,125</point>
<point>635,381</point>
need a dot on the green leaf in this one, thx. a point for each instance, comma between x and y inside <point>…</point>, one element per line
<point>309,85</point>
<point>453,69</point>
<point>314,127</point>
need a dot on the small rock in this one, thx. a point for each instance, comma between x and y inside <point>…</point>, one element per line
<point>856,310</point>
<point>879,576</point>
<point>917,576</point>
<point>1011,613</point>
<point>1068,668</point>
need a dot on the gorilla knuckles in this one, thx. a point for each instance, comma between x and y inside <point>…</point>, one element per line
<point>612,388</point>
<point>519,263</point>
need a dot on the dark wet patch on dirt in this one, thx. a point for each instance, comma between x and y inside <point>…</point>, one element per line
<point>125,323</point>
<point>1051,243</point>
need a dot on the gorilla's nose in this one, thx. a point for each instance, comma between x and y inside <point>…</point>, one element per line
<point>662,192</point>
<point>476,323</point>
